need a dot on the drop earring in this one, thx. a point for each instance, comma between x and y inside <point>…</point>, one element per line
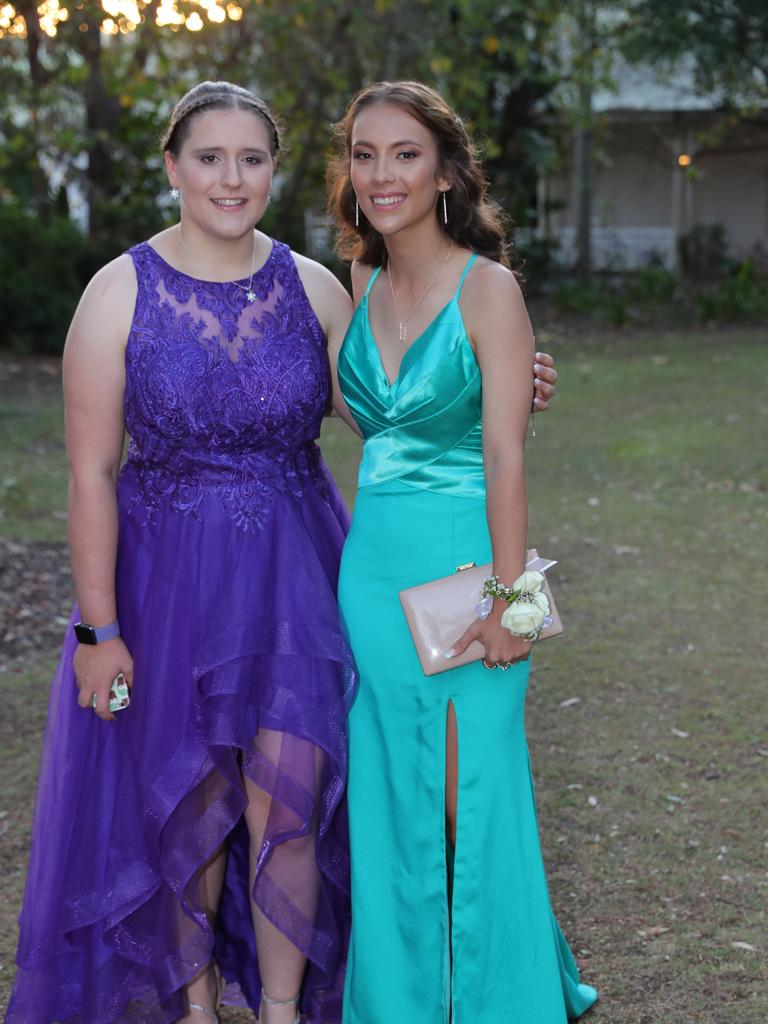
<point>445,210</point>
<point>357,214</point>
<point>174,193</point>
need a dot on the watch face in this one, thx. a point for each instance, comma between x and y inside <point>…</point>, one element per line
<point>85,634</point>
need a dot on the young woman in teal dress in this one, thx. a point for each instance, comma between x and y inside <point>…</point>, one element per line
<point>450,909</point>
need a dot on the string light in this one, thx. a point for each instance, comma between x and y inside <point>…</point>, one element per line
<point>169,14</point>
<point>125,9</point>
<point>11,23</point>
<point>124,16</point>
<point>50,14</point>
<point>685,160</point>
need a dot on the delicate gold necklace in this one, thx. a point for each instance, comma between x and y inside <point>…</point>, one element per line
<point>402,321</point>
<point>250,294</point>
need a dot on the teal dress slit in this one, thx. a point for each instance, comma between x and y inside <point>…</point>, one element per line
<point>496,955</point>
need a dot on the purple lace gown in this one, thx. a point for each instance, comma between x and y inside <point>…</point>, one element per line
<point>230,535</point>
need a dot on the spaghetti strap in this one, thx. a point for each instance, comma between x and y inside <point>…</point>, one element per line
<point>464,273</point>
<point>371,279</point>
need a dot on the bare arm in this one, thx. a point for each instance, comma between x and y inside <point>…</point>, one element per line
<point>501,331</point>
<point>333,309</point>
<point>94,381</point>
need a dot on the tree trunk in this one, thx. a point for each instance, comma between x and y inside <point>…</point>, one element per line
<point>102,114</point>
<point>584,142</point>
<point>37,77</point>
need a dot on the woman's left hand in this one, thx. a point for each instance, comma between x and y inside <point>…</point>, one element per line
<point>502,648</point>
<point>545,381</point>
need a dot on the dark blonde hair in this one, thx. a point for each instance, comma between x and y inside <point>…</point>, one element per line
<point>217,96</point>
<point>474,219</point>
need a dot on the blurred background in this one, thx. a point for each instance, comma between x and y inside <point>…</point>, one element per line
<point>629,143</point>
<point>626,140</point>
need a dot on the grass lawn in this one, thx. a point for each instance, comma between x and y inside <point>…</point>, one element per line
<point>647,722</point>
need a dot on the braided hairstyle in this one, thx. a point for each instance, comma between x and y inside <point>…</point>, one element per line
<point>217,96</point>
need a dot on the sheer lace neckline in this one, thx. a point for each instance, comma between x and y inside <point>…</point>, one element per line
<point>203,280</point>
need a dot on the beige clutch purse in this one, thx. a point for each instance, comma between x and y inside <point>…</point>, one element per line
<point>440,611</point>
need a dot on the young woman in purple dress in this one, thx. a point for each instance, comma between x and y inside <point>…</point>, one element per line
<point>201,832</point>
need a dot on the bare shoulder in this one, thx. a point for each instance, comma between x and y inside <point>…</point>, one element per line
<point>314,275</point>
<point>491,284</point>
<point>361,275</point>
<point>327,295</point>
<point>114,286</point>
<point>493,306</point>
<point>104,314</point>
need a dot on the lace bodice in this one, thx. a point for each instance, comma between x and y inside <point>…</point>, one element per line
<point>222,394</point>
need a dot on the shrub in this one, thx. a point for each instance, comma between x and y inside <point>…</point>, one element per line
<point>652,285</point>
<point>536,260</point>
<point>43,269</point>
<point>742,295</point>
<point>574,297</point>
<point>704,251</point>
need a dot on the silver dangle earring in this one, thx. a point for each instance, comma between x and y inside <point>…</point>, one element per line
<point>445,210</point>
<point>357,214</point>
<point>175,194</point>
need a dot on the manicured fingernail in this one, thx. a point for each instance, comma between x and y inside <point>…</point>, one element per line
<point>450,654</point>
<point>536,368</point>
<point>537,382</point>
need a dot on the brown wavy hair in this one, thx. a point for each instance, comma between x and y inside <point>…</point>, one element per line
<point>217,96</point>
<point>475,221</point>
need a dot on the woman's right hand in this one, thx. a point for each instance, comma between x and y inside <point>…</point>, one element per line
<point>95,668</point>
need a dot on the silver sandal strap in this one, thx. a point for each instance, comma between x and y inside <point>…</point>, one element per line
<point>280,1002</point>
<point>206,1010</point>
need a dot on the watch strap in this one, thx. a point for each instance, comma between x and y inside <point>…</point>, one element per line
<point>96,634</point>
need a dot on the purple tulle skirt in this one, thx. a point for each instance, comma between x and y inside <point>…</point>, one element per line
<point>235,636</point>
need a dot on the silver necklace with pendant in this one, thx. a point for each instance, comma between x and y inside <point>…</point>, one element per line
<point>403,321</point>
<point>250,294</point>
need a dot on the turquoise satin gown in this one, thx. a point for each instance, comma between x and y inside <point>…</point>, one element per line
<point>495,955</point>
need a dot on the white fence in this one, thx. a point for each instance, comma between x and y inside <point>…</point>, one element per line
<point>622,248</point>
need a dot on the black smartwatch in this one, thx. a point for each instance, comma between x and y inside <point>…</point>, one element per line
<point>96,634</point>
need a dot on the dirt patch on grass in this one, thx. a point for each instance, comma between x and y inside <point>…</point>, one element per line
<point>35,599</point>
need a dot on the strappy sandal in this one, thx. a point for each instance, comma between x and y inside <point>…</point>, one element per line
<point>212,1013</point>
<point>282,1002</point>
<point>206,1010</point>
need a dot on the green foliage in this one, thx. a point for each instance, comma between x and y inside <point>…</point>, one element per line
<point>536,259</point>
<point>653,285</point>
<point>601,300</point>
<point>704,251</point>
<point>93,107</point>
<point>742,295</point>
<point>726,43</point>
<point>656,294</point>
<point>574,297</point>
<point>43,269</point>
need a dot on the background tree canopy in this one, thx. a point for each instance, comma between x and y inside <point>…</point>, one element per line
<point>86,86</point>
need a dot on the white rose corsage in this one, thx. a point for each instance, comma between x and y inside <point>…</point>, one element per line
<point>528,606</point>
